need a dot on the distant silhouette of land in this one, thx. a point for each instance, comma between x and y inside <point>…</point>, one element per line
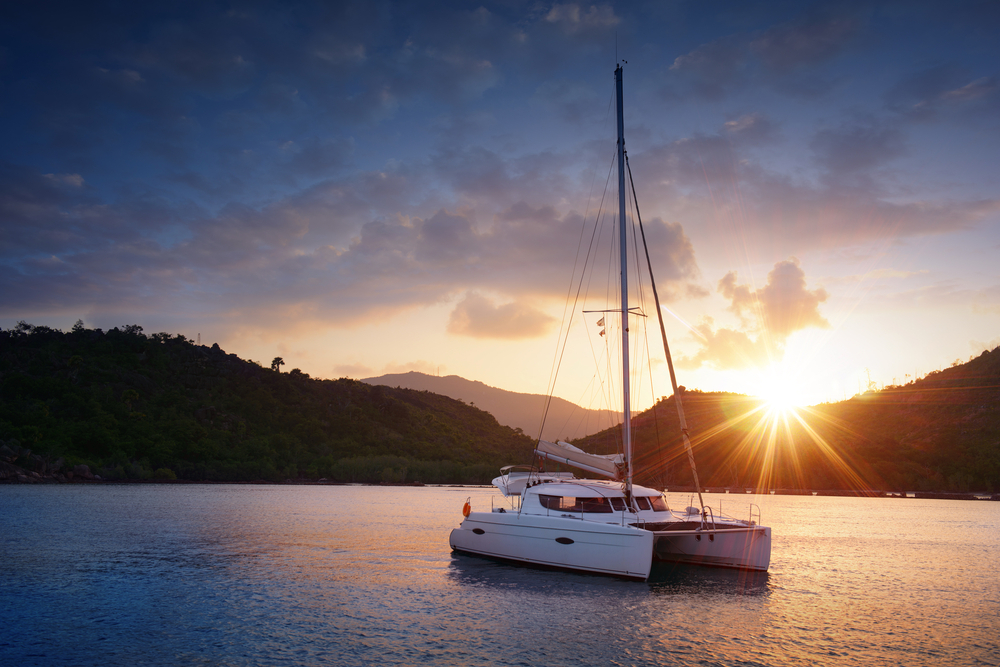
<point>565,421</point>
<point>123,405</point>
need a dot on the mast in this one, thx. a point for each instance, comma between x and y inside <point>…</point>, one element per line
<point>623,264</point>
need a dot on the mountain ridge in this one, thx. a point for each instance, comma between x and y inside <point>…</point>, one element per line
<point>566,420</point>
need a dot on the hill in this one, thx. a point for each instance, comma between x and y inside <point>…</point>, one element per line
<point>519,411</point>
<point>937,434</point>
<point>132,406</point>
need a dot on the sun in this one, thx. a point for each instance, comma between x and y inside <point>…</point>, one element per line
<point>780,390</point>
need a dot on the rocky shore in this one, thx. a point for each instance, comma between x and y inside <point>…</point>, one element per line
<point>19,466</point>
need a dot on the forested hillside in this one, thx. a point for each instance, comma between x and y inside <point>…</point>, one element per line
<point>938,434</point>
<point>136,406</point>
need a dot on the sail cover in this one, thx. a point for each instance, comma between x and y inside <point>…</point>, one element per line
<point>608,465</point>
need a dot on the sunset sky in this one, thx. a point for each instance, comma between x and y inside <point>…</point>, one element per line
<point>366,188</point>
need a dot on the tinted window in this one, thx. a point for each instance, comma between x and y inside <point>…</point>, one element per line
<point>551,502</point>
<point>596,505</point>
<point>642,502</point>
<point>659,504</point>
<point>618,504</point>
<point>571,504</point>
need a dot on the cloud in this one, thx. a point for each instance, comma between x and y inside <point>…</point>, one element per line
<point>857,146</point>
<point>788,57</point>
<point>476,316</point>
<point>805,42</point>
<point>783,306</point>
<point>725,349</point>
<point>593,19</point>
<point>946,90</point>
<point>768,317</point>
<point>74,180</point>
<point>571,100</point>
<point>712,179</point>
<point>712,68</point>
<point>750,129</point>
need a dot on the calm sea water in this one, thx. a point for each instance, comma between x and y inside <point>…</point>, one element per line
<point>304,575</point>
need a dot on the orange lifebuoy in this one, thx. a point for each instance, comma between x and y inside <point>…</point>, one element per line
<point>466,509</point>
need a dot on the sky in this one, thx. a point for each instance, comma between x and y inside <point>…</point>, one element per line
<point>379,187</point>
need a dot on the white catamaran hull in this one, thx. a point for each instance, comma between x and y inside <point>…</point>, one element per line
<point>743,548</point>
<point>565,543</point>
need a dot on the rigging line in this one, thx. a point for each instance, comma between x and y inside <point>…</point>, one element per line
<point>564,325</point>
<point>640,288</point>
<point>558,362</point>
<point>656,465</point>
<point>666,349</point>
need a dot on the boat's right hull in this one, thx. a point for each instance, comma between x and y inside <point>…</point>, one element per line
<point>550,541</point>
<point>743,548</point>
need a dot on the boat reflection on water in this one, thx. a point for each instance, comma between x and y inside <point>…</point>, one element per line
<point>664,579</point>
<point>675,578</point>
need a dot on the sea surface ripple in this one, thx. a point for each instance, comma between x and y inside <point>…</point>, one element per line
<point>352,575</point>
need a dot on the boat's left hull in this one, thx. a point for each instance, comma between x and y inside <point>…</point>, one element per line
<point>558,542</point>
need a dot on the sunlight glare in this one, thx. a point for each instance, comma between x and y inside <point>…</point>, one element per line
<point>780,389</point>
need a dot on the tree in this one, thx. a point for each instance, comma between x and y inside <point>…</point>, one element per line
<point>128,396</point>
<point>277,363</point>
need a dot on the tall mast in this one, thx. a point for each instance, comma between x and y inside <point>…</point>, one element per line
<point>623,263</point>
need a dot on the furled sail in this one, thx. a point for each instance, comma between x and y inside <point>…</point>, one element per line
<point>609,465</point>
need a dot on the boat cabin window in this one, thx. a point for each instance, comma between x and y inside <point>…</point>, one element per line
<point>618,504</point>
<point>643,503</point>
<point>659,504</point>
<point>571,504</point>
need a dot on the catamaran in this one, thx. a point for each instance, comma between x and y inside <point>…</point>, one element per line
<point>611,525</point>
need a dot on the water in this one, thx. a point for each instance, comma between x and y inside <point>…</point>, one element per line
<point>299,575</point>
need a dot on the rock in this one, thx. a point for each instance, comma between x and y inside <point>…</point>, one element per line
<point>7,454</point>
<point>36,464</point>
<point>82,471</point>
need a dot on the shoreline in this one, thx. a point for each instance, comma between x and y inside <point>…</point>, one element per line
<point>13,474</point>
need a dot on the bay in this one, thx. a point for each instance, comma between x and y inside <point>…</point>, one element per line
<point>353,575</point>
